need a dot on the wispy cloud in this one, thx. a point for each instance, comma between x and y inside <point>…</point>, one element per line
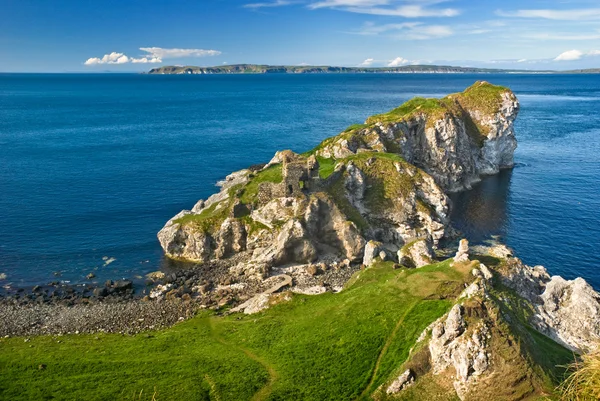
<point>153,55</point>
<point>406,11</point>
<point>276,3</point>
<point>583,14</point>
<point>563,36</point>
<point>367,63</point>
<point>407,30</point>
<point>398,8</point>
<point>575,54</point>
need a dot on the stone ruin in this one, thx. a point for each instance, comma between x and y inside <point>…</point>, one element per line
<point>300,175</point>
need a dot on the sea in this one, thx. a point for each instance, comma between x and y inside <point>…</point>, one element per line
<point>93,165</point>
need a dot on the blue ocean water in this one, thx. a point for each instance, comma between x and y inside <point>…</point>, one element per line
<point>92,165</point>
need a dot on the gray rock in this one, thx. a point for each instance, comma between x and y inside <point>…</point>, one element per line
<point>417,253</point>
<point>372,250</point>
<point>567,311</point>
<point>462,255</point>
<point>403,381</point>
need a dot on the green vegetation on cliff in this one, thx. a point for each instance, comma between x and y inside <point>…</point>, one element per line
<point>325,347</point>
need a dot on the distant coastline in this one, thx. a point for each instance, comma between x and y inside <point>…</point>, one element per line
<point>408,69</point>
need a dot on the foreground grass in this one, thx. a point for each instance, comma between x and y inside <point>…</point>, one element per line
<point>331,346</point>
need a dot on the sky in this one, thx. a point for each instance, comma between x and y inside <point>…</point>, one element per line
<point>136,35</point>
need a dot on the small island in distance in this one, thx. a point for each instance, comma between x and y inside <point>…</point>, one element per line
<point>311,69</point>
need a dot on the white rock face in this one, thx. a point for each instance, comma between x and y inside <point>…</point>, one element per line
<point>462,255</point>
<point>372,250</point>
<point>456,148</point>
<point>566,311</point>
<point>416,254</point>
<point>455,346</point>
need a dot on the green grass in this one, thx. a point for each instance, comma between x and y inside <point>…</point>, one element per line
<point>272,174</point>
<point>409,109</point>
<point>326,166</point>
<point>326,347</point>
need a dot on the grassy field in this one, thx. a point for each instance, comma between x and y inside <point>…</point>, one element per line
<point>327,347</point>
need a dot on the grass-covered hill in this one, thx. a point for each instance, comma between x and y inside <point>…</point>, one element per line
<point>344,346</point>
<point>310,69</point>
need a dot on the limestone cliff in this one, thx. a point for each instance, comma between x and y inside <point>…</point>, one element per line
<point>381,184</point>
<point>456,139</point>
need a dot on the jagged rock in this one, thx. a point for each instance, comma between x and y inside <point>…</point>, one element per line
<point>184,241</point>
<point>254,305</point>
<point>355,186</point>
<point>372,250</point>
<point>462,255</point>
<point>417,253</point>
<point>403,381</point>
<point>568,311</point>
<point>453,346</point>
<point>231,238</point>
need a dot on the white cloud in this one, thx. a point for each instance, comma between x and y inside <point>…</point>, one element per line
<point>112,58</point>
<point>574,54</point>
<point>397,62</point>
<point>145,60</point>
<point>154,55</point>
<point>569,55</point>
<point>565,15</point>
<point>367,63</point>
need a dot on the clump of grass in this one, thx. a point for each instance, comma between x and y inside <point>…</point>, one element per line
<point>584,382</point>
<point>417,105</point>
<point>326,166</point>
<point>271,174</point>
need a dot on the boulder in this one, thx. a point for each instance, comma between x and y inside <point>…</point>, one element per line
<point>372,250</point>
<point>417,253</point>
<point>462,255</point>
<point>403,381</point>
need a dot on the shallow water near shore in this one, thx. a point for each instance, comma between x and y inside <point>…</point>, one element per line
<point>92,166</point>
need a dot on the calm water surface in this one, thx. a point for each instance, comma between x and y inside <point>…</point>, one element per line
<point>91,166</point>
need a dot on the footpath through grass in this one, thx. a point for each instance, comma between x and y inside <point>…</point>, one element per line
<point>325,347</point>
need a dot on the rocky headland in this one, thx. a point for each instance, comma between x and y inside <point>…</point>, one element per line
<point>377,190</point>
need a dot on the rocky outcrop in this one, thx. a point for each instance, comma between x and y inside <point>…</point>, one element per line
<point>456,139</point>
<point>568,311</point>
<point>403,381</point>
<point>465,351</point>
<point>462,255</point>
<point>418,253</point>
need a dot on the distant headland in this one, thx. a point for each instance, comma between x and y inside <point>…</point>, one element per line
<point>310,69</point>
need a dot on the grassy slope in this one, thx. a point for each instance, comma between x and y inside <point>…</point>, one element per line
<point>320,347</point>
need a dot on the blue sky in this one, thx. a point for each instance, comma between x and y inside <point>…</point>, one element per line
<point>127,35</point>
